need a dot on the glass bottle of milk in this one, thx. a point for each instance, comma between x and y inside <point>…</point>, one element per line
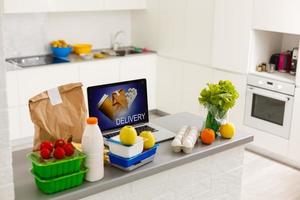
<point>93,147</point>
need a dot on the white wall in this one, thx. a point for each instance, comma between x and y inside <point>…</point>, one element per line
<point>30,34</point>
<point>6,176</point>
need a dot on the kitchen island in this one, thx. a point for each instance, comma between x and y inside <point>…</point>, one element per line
<point>209,172</point>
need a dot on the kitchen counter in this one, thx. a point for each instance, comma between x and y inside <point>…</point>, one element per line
<point>74,58</point>
<point>165,160</point>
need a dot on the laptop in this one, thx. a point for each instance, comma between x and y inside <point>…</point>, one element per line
<point>123,103</point>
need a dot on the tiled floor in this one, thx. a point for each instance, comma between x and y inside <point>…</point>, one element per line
<point>264,179</point>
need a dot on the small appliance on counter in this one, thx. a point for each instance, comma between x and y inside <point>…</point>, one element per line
<point>285,62</point>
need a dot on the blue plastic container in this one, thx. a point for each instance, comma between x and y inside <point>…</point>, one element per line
<point>61,52</point>
<point>127,162</point>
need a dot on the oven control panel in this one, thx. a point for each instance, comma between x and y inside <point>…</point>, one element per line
<point>271,84</point>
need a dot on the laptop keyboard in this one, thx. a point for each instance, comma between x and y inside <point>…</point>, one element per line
<point>138,130</point>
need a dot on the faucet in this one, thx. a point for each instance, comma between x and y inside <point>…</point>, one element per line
<point>115,45</point>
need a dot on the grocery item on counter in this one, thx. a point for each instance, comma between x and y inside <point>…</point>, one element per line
<point>126,151</point>
<point>60,183</point>
<point>47,145</point>
<point>77,146</point>
<point>59,143</point>
<point>87,56</point>
<point>52,168</point>
<point>129,164</point>
<point>227,130</point>
<point>82,48</point>
<point>61,149</point>
<point>259,68</point>
<point>99,55</point>
<point>51,113</point>
<point>128,135</point>
<point>60,48</point>
<point>185,139</point>
<point>149,139</point>
<point>93,147</point>
<point>59,44</point>
<point>59,153</point>
<point>207,136</point>
<point>54,175</point>
<point>271,68</point>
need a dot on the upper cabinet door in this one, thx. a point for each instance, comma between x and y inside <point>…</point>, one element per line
<point>124,4</point>
<point>232,34</point>
<point>34,6</point>
<point>277,15</point>
<point>74,5</point>
<point>25,6</point>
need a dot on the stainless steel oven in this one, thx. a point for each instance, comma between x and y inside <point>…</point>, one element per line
<point>269,105</point>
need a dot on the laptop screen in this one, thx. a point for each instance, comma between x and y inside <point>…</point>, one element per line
<point>119,104</point>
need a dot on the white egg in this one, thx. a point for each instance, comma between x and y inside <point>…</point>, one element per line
<point>193,137</point>
<point>181,133</point>
<point>176,142</point>
<point>187,150</point>
<point>176,149</point>
<point>179,137</point>
<point>189,138</point>
<point>187,143</point>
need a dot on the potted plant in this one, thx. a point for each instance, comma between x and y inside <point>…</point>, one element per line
<point>218,99</point>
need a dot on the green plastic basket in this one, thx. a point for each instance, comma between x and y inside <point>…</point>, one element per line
<point>60,183</point>
<point>55,168</point>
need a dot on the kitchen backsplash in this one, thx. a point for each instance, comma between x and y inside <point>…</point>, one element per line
<point>30,34</point>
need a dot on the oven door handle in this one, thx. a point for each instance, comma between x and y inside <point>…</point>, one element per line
<point>269,94</point>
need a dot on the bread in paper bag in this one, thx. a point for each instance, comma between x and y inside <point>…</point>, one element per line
<point>58,113</point>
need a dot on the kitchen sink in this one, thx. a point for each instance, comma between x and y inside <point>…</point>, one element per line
<point>33,61</point>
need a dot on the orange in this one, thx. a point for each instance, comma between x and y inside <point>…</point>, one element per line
<point>207,136</point>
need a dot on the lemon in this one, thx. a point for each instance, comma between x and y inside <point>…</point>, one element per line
<point>149,139</point>
<point>128,135</point>
<point>227,130</point>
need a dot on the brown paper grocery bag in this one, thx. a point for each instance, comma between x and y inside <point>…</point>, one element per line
<point>58,113</point>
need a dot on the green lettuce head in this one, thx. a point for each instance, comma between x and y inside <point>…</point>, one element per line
<point>221,96</point>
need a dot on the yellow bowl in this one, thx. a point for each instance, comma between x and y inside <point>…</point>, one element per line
<point>82,48</point>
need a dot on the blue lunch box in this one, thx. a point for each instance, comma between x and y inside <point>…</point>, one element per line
<point>127,162</point>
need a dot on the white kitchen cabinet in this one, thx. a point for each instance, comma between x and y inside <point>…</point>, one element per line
<point>25,6</point>
<point>231,35</point>
<point>12,88</point>
<point>295,127</point>
<point>74,5</point>
<point>277,15</point>
<point>169,85</point>
<point>14,123</point>
<point>26,125</point>
<point>137,67</point>
<point>198,32</point>
<point>124,4</point>
<point>41,6</point>
<point>98,73</point>
<point>194,80</point>
<point>36,80</point>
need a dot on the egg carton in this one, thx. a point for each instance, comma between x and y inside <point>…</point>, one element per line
<point>185,139</point>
